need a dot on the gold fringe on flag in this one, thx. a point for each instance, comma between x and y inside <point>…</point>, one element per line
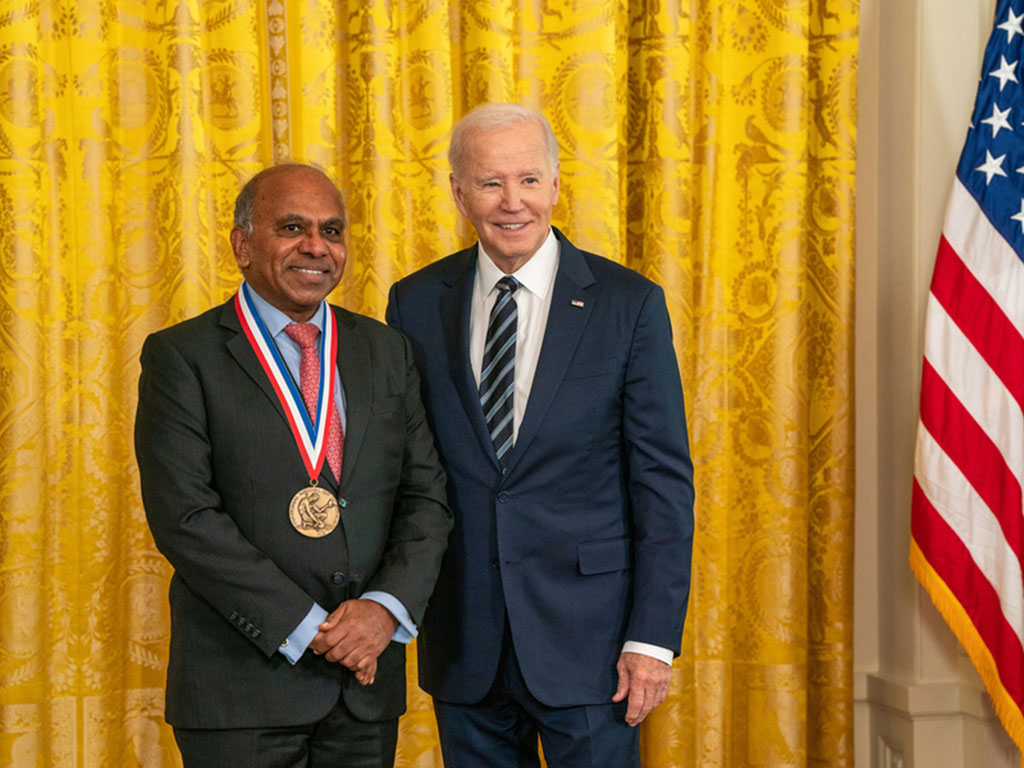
<point>953,612</point>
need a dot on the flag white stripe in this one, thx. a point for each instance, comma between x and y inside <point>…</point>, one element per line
<point>974,524</point>
<point>976,386</point>
<point>987,255</point>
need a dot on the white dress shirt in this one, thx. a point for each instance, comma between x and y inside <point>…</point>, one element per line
<point>533,301</point>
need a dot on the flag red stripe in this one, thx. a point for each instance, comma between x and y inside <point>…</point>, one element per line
<point>981,319</point>
<point>953,563</point>
<point>971,449</point>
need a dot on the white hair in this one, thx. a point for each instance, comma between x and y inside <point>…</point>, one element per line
<point>495,117</point>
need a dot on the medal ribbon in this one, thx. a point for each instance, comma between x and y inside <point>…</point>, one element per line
<point>309,436</point>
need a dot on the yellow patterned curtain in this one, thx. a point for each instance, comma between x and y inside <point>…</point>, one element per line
<point>709,144</point>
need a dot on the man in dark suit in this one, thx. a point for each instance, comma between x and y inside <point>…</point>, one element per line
<point>304,515</point>
<point>551,384</point>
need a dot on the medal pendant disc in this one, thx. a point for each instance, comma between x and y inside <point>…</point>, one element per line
<point>314,512</point>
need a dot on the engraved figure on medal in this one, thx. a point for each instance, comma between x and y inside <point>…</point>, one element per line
<point>314,512</point>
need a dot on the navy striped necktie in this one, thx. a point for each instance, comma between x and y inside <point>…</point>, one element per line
<point>497,377</point>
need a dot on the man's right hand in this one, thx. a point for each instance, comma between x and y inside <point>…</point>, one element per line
<point>354,635</point>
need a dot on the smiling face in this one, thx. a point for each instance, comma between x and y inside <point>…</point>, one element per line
<point>295,254</point>
<point>507,189</point>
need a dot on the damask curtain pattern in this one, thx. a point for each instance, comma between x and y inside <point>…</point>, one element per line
<point>709,145</point>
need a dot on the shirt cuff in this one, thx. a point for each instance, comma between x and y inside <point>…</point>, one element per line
<point>406,629</point>
<point>298,641</point>
<point>646,649</point>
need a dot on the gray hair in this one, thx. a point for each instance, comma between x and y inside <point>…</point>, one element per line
<point>247,197</point>
<point>495,117</point>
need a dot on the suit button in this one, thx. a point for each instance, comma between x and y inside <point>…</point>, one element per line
<point>342,502</point>
<point>337,577</point>
<point>494,563</point>
<point>256,634</point>
<point>504,471</point>
<point>233,616</point>
<point>503,497</point>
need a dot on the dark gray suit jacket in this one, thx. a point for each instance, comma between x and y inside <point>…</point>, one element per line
<point>219,466</point>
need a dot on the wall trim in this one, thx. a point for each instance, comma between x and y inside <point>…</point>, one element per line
<point>923,700</point>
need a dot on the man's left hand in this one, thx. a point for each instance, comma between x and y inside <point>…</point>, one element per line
<point>354,635</point>
<point>645,680</point>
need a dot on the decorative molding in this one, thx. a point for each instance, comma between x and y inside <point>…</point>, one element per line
<point>923,699</point>
<point>888,755</point>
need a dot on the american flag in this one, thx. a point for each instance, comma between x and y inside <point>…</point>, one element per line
<point>967,521</point>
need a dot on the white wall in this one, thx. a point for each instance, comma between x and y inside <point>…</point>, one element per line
<point>918,701</point>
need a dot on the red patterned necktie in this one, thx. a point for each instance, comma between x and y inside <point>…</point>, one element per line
<point>305,335</point>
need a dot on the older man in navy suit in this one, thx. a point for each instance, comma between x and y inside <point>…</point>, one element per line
<point>551,385</point>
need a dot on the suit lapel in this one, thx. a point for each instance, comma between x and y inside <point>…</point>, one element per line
<point>571,305</point>
<point>239,347</point>
<point>456,306</point>
<point>355,367</point>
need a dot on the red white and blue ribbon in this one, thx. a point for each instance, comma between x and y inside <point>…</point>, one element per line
<point>310,435</point>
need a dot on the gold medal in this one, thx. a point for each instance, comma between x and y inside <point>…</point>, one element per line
<point>314,512</point>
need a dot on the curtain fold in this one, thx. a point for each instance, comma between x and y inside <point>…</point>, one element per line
<point>709,145</point>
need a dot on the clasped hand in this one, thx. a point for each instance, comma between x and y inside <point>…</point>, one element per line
<point>354,635</point>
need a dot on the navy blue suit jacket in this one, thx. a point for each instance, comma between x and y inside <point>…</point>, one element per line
<point>585,540</point>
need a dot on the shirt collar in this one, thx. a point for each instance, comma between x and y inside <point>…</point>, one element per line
<point>536,275</point>
<point>274,320</point>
